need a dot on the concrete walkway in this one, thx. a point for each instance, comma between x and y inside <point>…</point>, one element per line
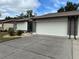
<point>37,47</point>
<point>76,49</point>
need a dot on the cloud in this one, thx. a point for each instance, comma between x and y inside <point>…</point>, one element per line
<point>14,7</point>
<point>4,15</point>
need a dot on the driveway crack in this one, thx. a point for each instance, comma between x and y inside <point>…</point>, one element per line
<point>41,54</point>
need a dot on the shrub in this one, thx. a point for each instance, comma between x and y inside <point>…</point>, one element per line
<point>11,31</point>
<point>5,30</point>
<point>19,32</point>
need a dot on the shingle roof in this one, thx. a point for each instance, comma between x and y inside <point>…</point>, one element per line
<point>14,20</point>
<point>50,15</point>
<point>61,14</point>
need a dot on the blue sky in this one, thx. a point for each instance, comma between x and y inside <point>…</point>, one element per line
<point>48,6</point>
<point>40,7</point>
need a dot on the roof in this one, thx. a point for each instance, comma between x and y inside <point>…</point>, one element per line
<point>50,15</point>
<point>14,20</point>
<point>61,14</point>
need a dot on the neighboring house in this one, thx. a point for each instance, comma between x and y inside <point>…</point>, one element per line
<point>58,24</point>
<point>6,26</point>
<point>17,24</point>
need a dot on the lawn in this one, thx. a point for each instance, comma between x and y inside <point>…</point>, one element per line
<point>2,39</point>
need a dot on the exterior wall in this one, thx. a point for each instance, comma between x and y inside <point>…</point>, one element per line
<point>0,26</point>
<point>54,26</point>
<point>78,26</point>
<point>6,26</point>
<point>21,26</point>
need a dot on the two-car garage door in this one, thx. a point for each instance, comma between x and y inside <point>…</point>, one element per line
<point>56,26</point>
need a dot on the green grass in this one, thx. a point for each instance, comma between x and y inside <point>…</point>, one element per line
<point>6,39</point>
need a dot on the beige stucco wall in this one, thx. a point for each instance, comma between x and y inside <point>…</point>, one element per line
<point>0,25</point>
<point>8,25</point>
<point>19,26</point>
<point>22,26</point>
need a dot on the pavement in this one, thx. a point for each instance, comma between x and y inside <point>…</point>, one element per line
<point>37,47</point>
<point>76,49</point>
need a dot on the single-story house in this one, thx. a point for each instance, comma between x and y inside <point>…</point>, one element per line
<point>58,24</point>
<point>17,24</point>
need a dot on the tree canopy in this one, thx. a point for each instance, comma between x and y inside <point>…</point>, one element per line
<point>8,18</point>
<point>69,7</point>
<point>29,13</point>
<point>61,9</point>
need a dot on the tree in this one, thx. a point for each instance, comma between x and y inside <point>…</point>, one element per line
<point>69,7</point>
<point>30,13</point>
<point>8,18</point>
<point>21,16</point>
<point>61,9</point>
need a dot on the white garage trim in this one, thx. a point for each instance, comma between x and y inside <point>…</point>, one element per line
<point>54,26</point>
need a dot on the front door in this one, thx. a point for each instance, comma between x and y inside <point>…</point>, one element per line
<point>30,26</point>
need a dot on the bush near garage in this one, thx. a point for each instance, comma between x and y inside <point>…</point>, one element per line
<point>11,31</point>
<point>20,32</point>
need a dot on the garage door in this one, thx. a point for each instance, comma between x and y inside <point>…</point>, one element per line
<point>56,27</point>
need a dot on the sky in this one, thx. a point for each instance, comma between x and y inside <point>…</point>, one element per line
<point>40,7</point>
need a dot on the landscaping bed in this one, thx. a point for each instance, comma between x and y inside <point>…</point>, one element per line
<point>3,39</point>
<point>11,34</point>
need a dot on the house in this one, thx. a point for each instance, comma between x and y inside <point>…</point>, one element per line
<point>17,24</point>
<point>58,24</point>
<point>64,24</point>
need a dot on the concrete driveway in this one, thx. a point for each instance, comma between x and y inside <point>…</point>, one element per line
<point>37,47</point>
